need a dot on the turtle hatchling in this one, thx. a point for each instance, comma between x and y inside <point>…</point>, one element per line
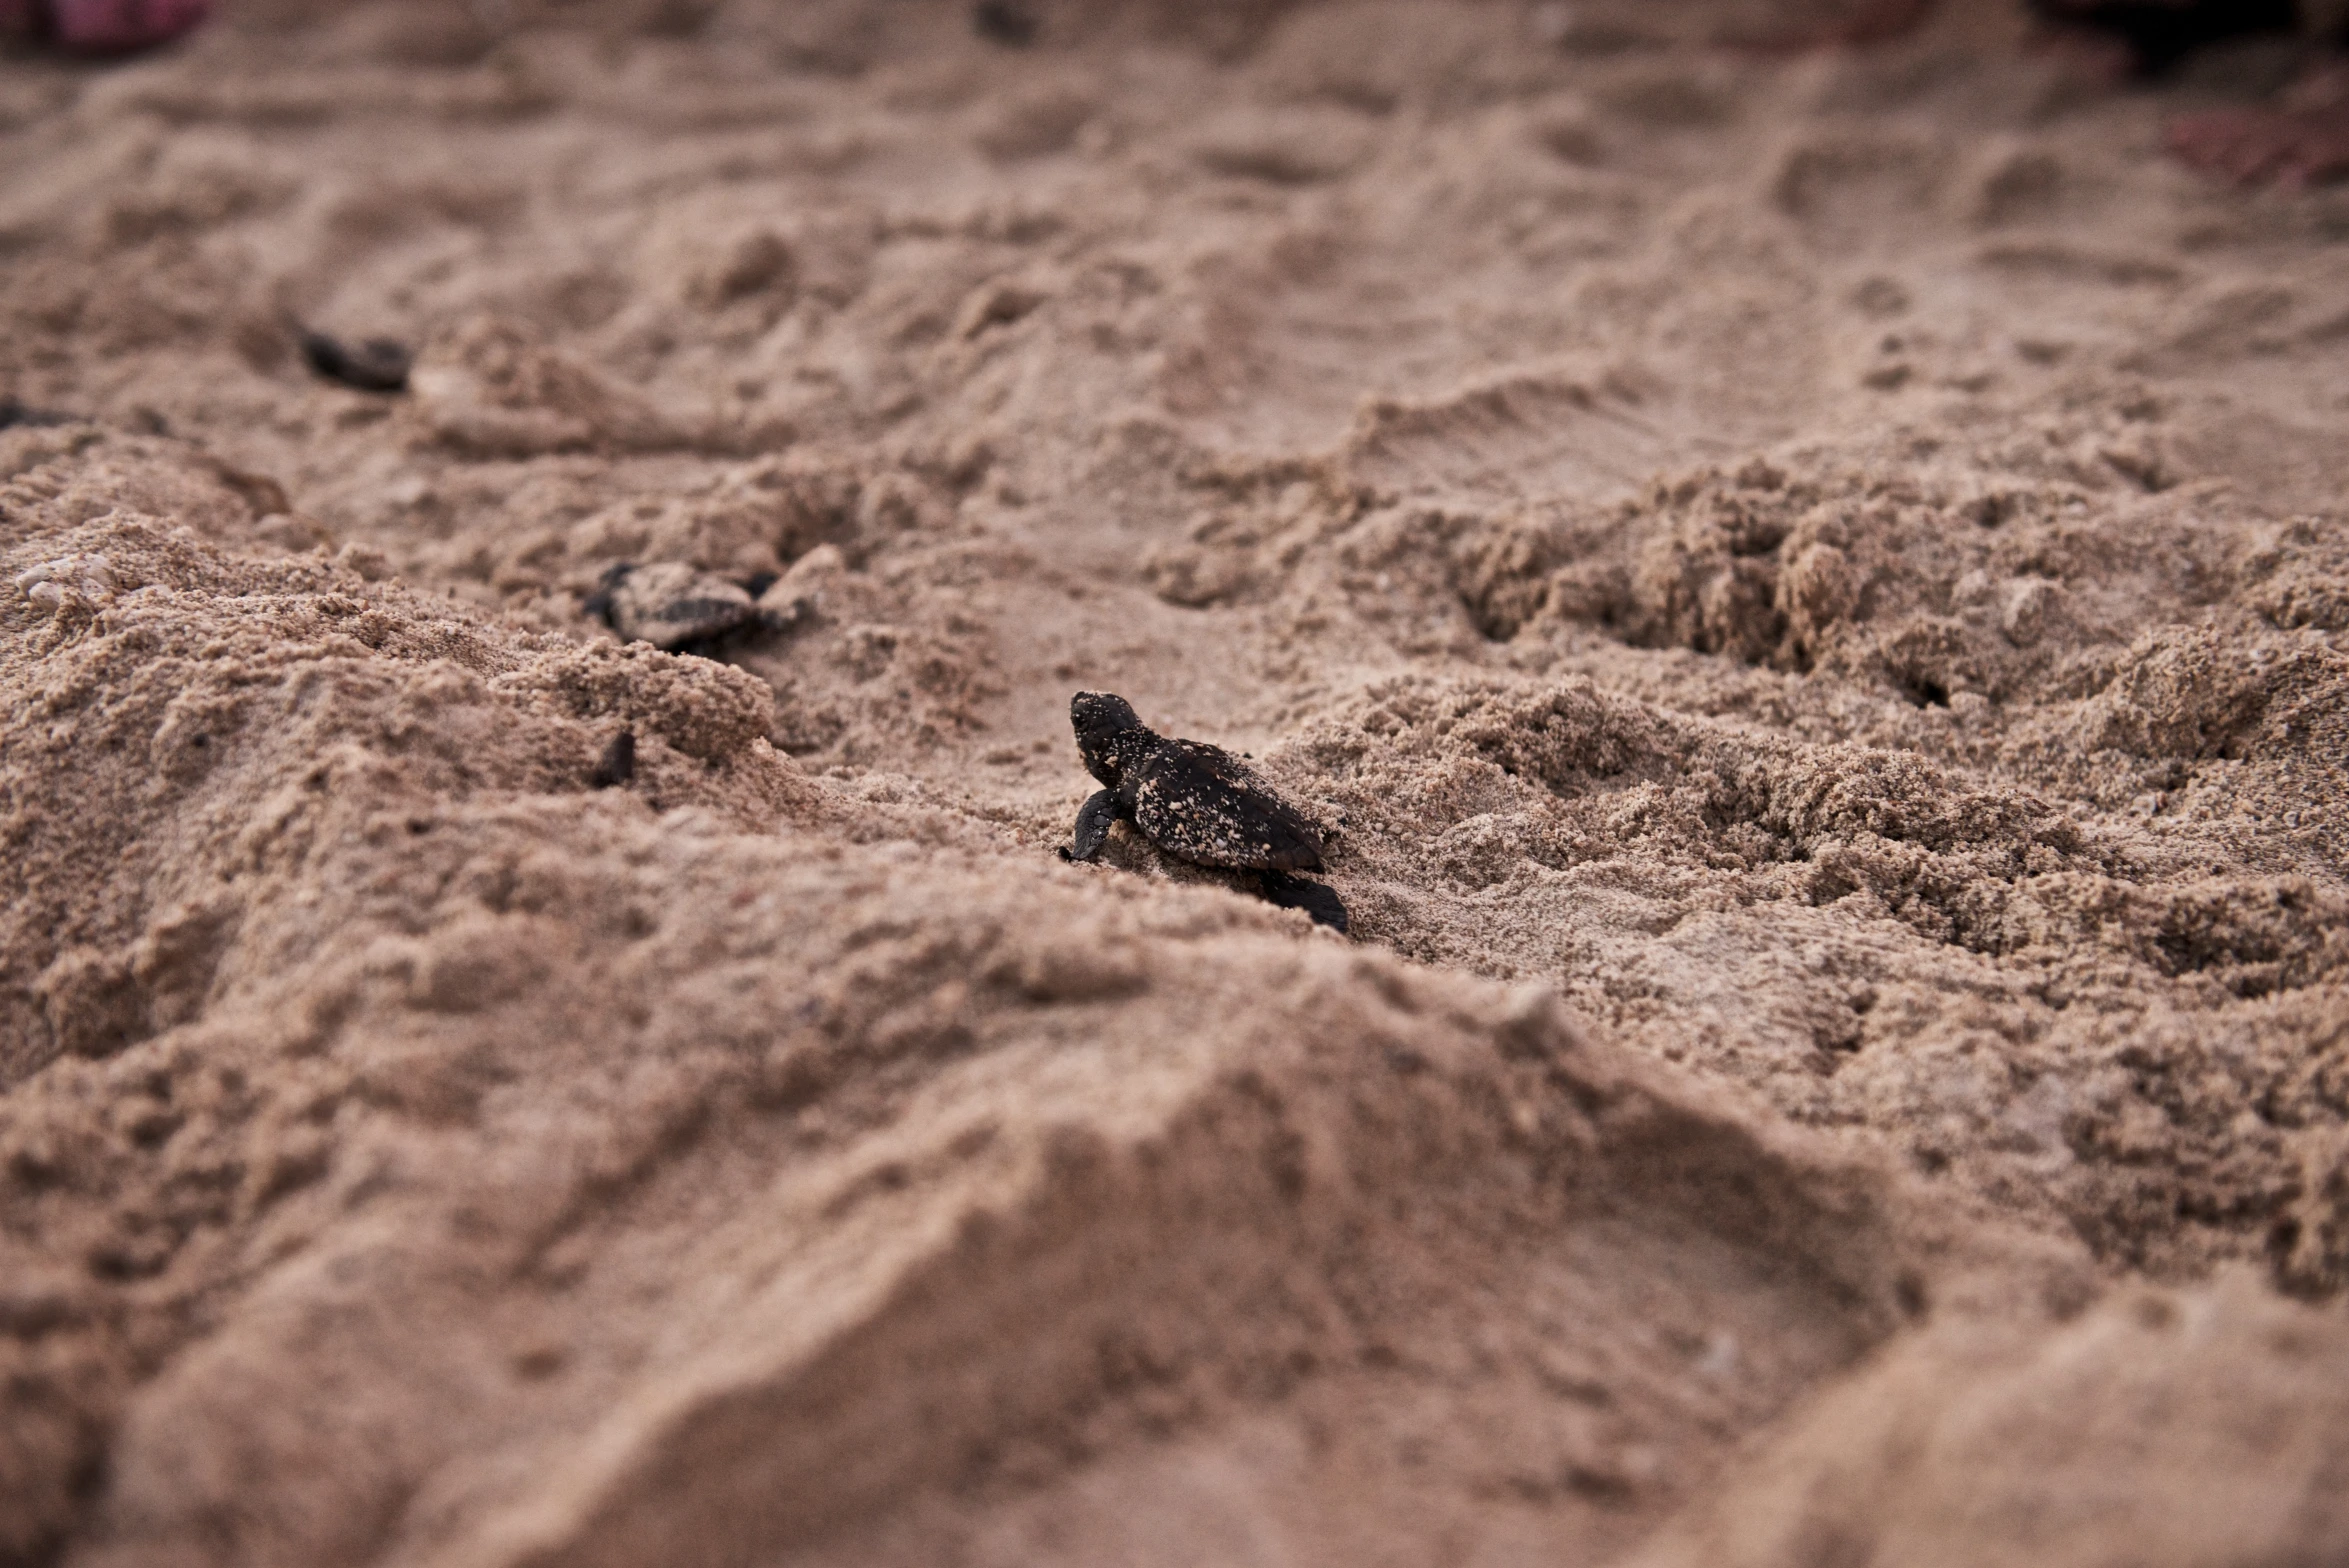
<point>676,607</point>
<point>1197,802</point>
<point>372,365</point>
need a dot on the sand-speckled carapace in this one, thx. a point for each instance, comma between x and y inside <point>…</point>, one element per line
<point>1195,801</point>
<point>675,607</point>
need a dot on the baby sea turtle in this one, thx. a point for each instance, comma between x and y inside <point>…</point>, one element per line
<point>1196,802</point>
<point>371,365</point>
<point>676,607</point>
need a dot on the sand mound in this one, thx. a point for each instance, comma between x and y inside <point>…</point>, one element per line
<point>417,1052</point>
<point>2112,1441</point>
<point>1806,597</point>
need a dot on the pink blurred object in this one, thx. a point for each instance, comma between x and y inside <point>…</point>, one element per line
<point>104,26</point>
<point>2254,146</point>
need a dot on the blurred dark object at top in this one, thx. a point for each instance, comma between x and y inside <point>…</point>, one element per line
<point>2160,36</point>
<point>103,26</point>
<point>1005,22</point>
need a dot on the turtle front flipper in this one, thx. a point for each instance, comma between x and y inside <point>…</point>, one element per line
<point>1093,820</point>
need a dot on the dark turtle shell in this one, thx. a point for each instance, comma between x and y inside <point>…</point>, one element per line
<point>1202,804</point>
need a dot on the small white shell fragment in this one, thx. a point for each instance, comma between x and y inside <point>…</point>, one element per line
<point>52,582</point>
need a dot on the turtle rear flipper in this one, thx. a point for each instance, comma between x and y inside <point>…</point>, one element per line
<point>1317,899</point>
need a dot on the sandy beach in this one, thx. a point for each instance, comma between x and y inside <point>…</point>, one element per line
<point>1805,593</point>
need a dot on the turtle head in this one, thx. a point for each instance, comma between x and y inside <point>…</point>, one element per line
<point>1110,737</point>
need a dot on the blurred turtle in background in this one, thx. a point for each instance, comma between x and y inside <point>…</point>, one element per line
<point>102,26</point>
<point>2298,136</point>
